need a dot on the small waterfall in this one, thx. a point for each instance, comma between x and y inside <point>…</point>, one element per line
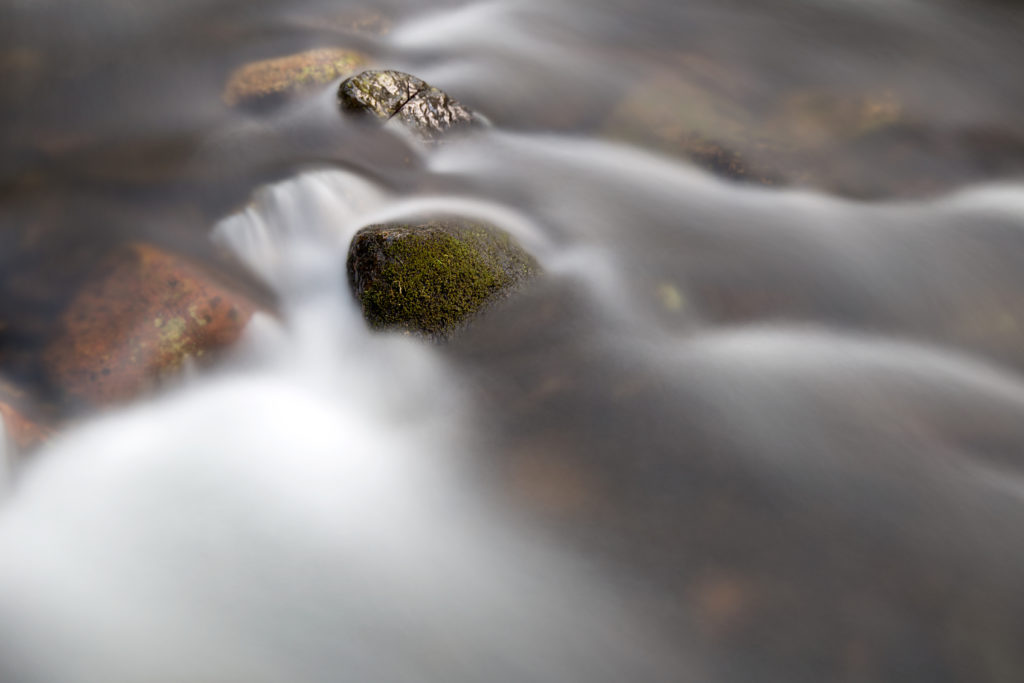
<point>761,417</point>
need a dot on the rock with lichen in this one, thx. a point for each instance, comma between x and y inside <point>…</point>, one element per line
<point>432,278</point>
<point>395,96</point>
<point>271,81</point>
<point>142,315</point>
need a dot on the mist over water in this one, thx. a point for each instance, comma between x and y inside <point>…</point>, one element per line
<point>758,429</point>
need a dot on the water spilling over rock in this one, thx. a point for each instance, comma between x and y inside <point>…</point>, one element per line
<point>764,426</point>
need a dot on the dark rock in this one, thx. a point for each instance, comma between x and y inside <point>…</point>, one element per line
<point>420,107</point>
<point>431,278</point>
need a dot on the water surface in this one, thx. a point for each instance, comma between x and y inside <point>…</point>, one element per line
<point>762,418</point>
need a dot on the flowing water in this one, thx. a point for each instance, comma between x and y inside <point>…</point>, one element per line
<point>766,427</point>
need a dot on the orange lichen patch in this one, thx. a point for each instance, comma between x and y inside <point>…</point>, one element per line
<point>270,80</point>
<point>21,427</point>
<point>144,314</point>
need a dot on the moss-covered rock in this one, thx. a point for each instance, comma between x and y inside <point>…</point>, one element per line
<point>418,106</point>
<point>431,278</point>
<point>270,81</point>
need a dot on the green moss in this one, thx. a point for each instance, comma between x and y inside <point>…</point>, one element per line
<point>432,278</point>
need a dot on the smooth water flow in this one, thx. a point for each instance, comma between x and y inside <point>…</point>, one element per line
<point>761,418</point>
<point>309,512</point>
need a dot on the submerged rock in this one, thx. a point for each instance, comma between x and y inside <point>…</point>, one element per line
<point>271,80</point>
<point>143,314</point>
<point>358,20</point>
<point>719,117</point>
<point>433,277</point>
<point>417,105</point>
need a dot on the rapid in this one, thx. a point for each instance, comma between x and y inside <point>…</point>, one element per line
<point>760,428</point>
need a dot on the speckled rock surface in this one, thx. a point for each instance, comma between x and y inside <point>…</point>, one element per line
<point>392,95</point>
<point>143,314</point>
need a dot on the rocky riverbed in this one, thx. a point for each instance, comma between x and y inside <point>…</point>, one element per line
<point>730,312</point>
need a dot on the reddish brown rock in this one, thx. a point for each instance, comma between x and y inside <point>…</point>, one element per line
<point>23,428</point>
<point>142,315</point>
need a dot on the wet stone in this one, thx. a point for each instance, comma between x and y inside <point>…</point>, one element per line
<point>23,427</point>
<point>270,81</point>
<point>432,278</point>
<point>392,95</point>
<point>137,321</point>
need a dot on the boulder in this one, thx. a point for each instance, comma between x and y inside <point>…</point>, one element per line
<point>271,81</point>
<point>137,320</point>
<point>431,278</point>
<point>424,110</point>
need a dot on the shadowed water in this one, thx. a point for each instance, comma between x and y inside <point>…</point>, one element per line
<point>761,418</point>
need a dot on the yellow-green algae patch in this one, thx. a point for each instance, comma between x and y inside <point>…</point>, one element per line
<point>431,278</point>
<point>172,335</point>
<point>271,80</point>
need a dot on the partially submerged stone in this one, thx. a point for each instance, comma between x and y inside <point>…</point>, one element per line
<point>23,427</point>
<point>431,278</point>
<point>417,105</point>
<point>692,113</point>
<point>272,80</point>
<point>718,116</point>
<point>144,313</point>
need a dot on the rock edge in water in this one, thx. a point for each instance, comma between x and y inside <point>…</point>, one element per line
<point>138,319</point>
<point>421,108</point>
<point>433,277</point>
<point>271,81</point>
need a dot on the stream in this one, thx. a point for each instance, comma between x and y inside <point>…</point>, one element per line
<point>760,419</point>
